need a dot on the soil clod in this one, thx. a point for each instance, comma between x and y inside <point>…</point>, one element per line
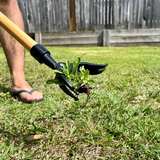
<point>85,88</point>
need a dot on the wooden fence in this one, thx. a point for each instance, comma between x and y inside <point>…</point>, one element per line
<point>45,15</point>
<point>54,15</point>
<point>106,38</point>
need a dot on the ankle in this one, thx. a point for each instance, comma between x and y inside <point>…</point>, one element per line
<point>17,78</point>
<point>19,85</point>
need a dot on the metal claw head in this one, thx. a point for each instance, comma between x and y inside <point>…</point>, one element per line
<point>66,83</point>
<point>94,69</point>
<point>67,91</point>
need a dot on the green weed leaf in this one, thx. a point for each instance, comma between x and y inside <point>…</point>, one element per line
<point>54,81</point>
<point>75,65</point>
<point>70,71</point>
<point>68,67</point>
<point>91,82</point>
<point>57,71</point>
<point>86,74</point>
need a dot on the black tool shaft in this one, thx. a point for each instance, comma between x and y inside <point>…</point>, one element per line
<point>42,55</point>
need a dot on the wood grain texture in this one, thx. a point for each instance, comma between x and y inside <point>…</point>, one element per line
<point>90,15</point>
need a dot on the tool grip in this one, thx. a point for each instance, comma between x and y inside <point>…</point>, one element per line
<point>37,51</point>
<point>16,32</point>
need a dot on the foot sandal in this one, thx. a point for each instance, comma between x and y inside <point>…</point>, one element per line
<point>16,96</point>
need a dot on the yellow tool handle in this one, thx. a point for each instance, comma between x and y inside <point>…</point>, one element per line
<point>16,32</point>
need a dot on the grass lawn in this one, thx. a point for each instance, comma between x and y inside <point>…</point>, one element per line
<point>121,120</point>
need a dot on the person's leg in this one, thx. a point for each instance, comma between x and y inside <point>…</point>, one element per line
<point>14,51</point>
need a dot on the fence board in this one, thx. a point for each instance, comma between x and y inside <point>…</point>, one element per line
<point>106,38</point>
<point>54,15</point>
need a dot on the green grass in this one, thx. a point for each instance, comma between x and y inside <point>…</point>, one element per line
<point>121,120</point>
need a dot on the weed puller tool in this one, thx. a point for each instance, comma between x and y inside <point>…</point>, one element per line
<point>42,55</point>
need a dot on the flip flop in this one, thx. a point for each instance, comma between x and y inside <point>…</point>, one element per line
<point>16,96</point>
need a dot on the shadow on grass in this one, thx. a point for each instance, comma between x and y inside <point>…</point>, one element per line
<point>3,89</point>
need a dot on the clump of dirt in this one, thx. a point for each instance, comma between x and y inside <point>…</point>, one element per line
<point>85,88</point>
